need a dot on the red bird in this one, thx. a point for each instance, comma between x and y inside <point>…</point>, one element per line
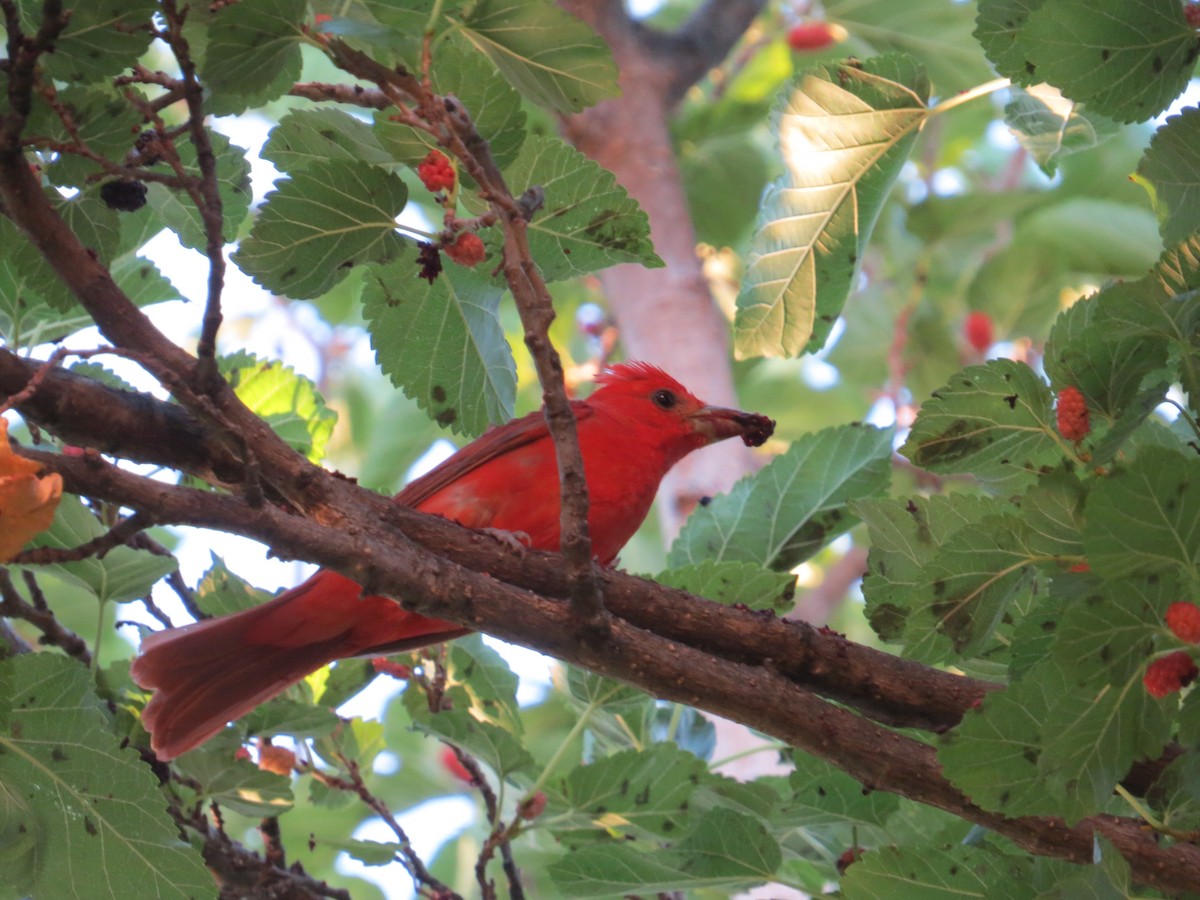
<point>632,429</point>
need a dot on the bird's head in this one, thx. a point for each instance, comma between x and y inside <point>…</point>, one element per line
<point>646,397</point>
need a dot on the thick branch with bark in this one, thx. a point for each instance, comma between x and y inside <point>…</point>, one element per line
<point>366,546</point>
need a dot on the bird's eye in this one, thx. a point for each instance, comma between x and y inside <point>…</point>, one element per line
<point>664,399</point>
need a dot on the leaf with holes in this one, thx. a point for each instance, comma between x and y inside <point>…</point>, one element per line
<point>1127,59</point>
<point>94,821</point>
<point>442,343</point>
<point>993,420</point>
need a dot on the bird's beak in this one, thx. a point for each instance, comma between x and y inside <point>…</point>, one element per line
<point>717,423</point>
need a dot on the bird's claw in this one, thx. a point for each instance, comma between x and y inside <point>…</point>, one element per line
<point>517,541</point>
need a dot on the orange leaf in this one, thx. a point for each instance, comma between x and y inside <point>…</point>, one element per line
<point>27,503</point>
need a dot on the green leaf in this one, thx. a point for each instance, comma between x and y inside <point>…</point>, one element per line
<point>176,209</point>
<point>288,402</point>
<point>1052,127</point>
<point>487,680</point>
<point>103,120</point>
<point>142,281</point>
<point>1054,743</point>
<point>794,505</point>
<point>588,221</point>
<point>944,571</point>
<point>937,35</point>
<point>100,39</point>
<point>1090,741</point>
<point>283,715</point>
<point>91,811</point>
<point>316,225</point>
<point>306,136</point>
<point>221,592</point>
<point>236,784</point>
<point>1144,517</point>
<point>992,755</point>
<point>635,792</point>
<point>1170,171</point>
<point>724,177</point>
<point>997,28</point>
<point>744,583</point>
<point>730,845</point>
<point>1053,512</point>
<point>824,797</point>
<point>992,420</point>
<point>1177,792</point>
<point>253,53</point>
<point>845,131</point>
<point>961,596</point>
<point>547,54</point>
<point>123,574</point>
<point>442,343</point>
<point>618,870</point>
<point>936,873</point>
<point>1127,59</point>
<point>1091,348</point>
<point>369,853</point>
<point>32,277</point>
<point>490,744</point>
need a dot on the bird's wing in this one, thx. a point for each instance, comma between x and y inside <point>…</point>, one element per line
<point>492,444</point>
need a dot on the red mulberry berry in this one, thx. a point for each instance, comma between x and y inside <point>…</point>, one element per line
<point>977,329</point>
<point>451,763</point>
<point>533,806</point>
<point>810,36</point>
<point>1184,621</point>
<point>468,250</point>
<point>435,172</point>
<point>1072,414</point>
<point>1169,673</point>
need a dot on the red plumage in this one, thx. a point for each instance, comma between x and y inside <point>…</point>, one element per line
<point>632,429</point>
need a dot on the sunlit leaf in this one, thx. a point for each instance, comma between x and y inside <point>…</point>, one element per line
<point>844,132</point>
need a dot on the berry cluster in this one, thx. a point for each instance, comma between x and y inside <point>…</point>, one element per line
<point>435,172</point>
<point>1184,621</point>
<point>1170,673</point>
<point>1177,670</point>
<point>1072,413</point>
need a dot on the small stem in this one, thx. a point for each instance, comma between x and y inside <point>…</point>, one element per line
<point>1137,807</point>
<point>741,754</point>
<point>673,725</point>
<point>980,90</point>
<point>1186,415</point>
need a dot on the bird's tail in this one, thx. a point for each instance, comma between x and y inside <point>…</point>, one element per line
<point>209,673</point>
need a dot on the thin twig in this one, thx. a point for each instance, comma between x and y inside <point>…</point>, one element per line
<point>413,863</point>
<point>210,207</point>
<point>54,633</point>
<point>116,536</point>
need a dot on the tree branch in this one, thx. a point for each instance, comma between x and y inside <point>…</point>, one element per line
<point>365,548</point>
